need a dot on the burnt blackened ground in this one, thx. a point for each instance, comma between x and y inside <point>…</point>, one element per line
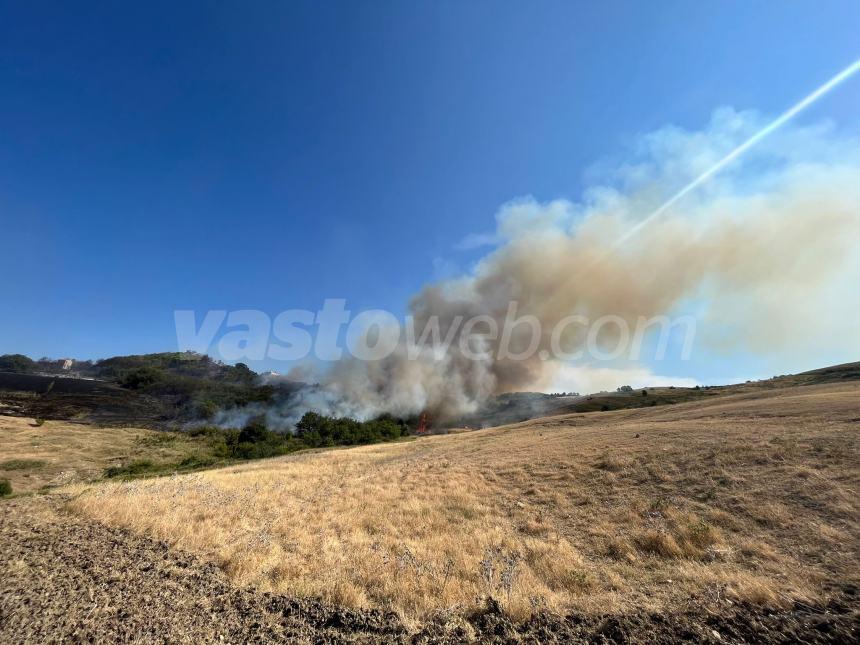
<point>80,400</point>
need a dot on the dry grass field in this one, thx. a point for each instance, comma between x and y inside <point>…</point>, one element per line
<point>57,453</point>
<point>750,497</point>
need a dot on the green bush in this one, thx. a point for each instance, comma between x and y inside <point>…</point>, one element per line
<point>319,430</point>
<point>219,448</point>
<point>142,377</point>
<point>256,441</point>
<point>205,409</point>
<point>197,461</point>
<point>5,487</point>
<point>213,445</point>
<point>139,467</point>
<point>205,431</point>
<point>21,464</point>
<point>16,363</point>
<point>255,432</point>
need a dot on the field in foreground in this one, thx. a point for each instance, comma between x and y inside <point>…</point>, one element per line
<point>742,499</point>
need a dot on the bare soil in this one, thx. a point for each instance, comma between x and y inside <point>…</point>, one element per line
<point>67,579</point>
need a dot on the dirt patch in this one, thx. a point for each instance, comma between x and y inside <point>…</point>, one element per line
<point>63,578</point>
<point>737,624</point>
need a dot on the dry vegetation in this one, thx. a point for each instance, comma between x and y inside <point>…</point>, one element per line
<point>35,454</point>
<point>747,497</point>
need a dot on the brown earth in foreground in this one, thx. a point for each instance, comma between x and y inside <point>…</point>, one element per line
<point>66,579</point>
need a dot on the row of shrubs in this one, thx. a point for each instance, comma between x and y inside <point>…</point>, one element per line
<point>313,431</point>
<point>319,430</point>
<point>256,441</point>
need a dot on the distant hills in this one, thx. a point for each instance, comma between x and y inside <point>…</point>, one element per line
<point>150,390</point>
<point>522,406</point>
<point>170,389</point>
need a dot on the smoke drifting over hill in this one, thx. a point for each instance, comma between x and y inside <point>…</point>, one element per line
<point>761,255</point>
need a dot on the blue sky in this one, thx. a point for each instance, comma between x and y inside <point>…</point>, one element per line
<point>164,156</point>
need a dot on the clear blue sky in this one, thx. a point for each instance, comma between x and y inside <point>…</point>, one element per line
<point>161,156</point>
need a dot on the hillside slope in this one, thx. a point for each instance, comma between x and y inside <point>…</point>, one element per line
<point>749,498</point>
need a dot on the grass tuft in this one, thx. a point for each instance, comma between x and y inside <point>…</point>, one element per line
<point>21,464</point>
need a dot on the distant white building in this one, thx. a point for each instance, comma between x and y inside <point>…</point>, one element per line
<point>67,364</point>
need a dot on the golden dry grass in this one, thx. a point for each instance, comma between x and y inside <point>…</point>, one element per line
<point>747,497</point>
<point>60,453</point>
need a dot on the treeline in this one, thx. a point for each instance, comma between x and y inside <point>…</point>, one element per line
<point>213,446</point>
<point>319,430</point>
<point>18,364</point>
<point>256,441</point>
<point>133,368</point>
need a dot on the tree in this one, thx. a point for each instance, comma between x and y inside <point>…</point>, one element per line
<point>254,432</point>
<point>141,377</point>
<point>244,374</point>
<point>319,430</point>
<point>17,363</point>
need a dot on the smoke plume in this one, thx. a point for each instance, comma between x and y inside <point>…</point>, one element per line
<point>764,254</point>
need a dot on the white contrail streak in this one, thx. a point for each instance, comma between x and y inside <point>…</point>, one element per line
<point>784,118</point>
